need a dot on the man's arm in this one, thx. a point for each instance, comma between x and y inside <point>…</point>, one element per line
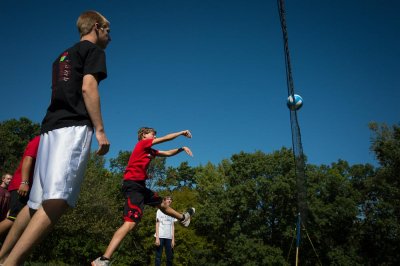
<point>173,235</point>
<point>157,232</point>
<point>172,136</point>
<point>26,169</point>
<point>174,152</point>
<point>91,97</point>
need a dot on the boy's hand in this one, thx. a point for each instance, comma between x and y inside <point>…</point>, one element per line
<point>187,133</point>
<point>23,190</point>
<point>188,151</point>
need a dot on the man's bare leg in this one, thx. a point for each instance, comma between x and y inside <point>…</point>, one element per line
<point>15,232</point>
<point>41,224</point>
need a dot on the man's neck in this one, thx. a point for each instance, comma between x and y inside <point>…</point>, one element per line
<point>91,37</point>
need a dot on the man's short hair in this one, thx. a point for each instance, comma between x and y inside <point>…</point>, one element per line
<point>4,176</point>
<point>88,19</point>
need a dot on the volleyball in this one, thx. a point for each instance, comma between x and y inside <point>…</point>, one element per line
<point>294,102</point>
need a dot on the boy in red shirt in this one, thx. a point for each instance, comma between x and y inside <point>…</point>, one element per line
<point>20,184</point>
<point>134,187</point>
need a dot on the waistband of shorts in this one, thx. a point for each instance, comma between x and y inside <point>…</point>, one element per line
<point>133,182</point>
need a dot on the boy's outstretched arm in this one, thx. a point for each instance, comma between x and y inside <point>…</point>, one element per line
<point>174,152</point>
<point>172,136</point>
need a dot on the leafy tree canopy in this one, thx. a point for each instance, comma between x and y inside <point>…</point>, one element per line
<point>14,136</point>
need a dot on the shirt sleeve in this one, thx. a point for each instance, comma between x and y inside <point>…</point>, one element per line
<point>32,147</point>
<point>158,215</point>
<point>95,63</point>
<point>154,152</point>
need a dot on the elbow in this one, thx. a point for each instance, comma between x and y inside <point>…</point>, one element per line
<point>89,84</point>
<point>85,90</point>
<point>85,93</point>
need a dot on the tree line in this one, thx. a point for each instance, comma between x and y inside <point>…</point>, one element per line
<point>246,208</point>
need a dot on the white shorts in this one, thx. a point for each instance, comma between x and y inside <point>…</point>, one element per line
<point>60,165</point>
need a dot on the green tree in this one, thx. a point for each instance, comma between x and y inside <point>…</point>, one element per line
<point>381,209</point>
<point>334,212</point>
<point>118,165</point>
<point>244,205</point>
<point>157,174</point>
<point>14,136</point>
<point>182,176</point>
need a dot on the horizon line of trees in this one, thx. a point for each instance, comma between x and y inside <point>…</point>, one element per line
<point>246,208</point>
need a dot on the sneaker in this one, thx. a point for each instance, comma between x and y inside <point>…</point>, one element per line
<point>99,262</point>
<point>187,215</point>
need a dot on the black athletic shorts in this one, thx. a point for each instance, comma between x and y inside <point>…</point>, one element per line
<point>136,196</point>
<point>17,202</point>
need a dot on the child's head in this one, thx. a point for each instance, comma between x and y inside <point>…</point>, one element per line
<point>144,131</point>
<point>168,199</point>
<point>88,19</point>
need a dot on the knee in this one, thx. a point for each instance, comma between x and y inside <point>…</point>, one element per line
<point>129,226</point>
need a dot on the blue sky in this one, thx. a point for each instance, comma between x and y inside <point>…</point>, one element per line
<point>216,67</point>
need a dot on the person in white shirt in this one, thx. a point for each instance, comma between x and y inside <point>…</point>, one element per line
<point>165,234</point>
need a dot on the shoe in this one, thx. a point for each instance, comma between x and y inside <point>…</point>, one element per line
<point>99,262</point>
<point>187,215</point>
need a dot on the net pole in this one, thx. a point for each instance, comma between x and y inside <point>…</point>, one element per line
<point>298,238</point>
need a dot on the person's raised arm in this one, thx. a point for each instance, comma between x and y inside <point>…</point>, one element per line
<point>174,152</point>
<point>172,136</point>
<point>91,97</point>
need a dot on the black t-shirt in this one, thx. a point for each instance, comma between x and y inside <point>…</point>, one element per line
<point>67,107</point>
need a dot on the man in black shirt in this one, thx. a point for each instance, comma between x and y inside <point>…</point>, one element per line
<point>66,133</point>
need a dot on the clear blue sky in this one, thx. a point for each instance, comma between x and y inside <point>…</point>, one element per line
<point>216,67</point>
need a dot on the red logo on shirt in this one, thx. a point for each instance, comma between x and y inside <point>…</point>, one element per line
<point>64,68</point>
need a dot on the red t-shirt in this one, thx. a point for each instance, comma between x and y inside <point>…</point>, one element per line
<point>139,161</point>
<point>31,151</point>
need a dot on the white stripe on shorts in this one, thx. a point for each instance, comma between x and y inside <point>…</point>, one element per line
<point>60,165</point>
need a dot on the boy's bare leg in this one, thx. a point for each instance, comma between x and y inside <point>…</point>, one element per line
<point>171,212</point>
<point>117,238</point>
<point>40,225</point>
<point>16,231</point>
